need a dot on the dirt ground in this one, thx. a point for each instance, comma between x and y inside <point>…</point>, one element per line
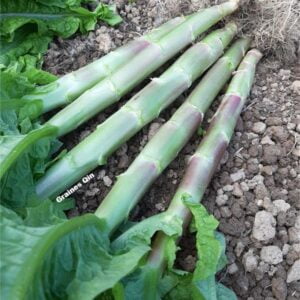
<point>256,192</point>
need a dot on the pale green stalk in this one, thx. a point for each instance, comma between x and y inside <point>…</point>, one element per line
<point>135,114</point>
<point>118,83</point>
<point>169,140</point>
<point>67,88</point>
<point>206,159</point>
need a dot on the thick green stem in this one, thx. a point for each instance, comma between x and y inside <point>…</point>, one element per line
<point>169,140</point>
<point>135,114</point>
<point>204,162</point>
<point>67,88</point>
<point>117,84</point>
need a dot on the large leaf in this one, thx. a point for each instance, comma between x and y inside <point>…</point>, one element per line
<point>17,118</point>
<point>131,245</point>
<point>14,86</point>
<point>209,247</point>
<point>112,271</point>
<point>47,213</point>
<point>208,289</point>
<point>27,27</point>
<point>63,21</point>
<point>18,183</point>
<point>15,113</point>
<point>25,42</point>
<point>143,231</point>
<point>148,282</point>
<point>63,3</point>
<point>66,259</point>
<point>211,258</point>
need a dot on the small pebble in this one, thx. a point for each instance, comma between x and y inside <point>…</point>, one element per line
<point>294,272</point>
<point>250,261</point>
<point>221,200</point>
<point>228,188</point>
<point>271,255</point>
<point>237,176</point>
<point>264,226</point>
<point>237,191</point>
<point>281,205</point>
<point>233,268</point>
<point>259,127</point>
<point>267,141</point>
<point>107,181</point>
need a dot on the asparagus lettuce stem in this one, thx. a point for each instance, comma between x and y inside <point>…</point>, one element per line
<point>207,157</point>
<point>142,65</point>
<point>204,162</point>
<point>149,277</point>
<point>118,83</point>
<point>169,140</point>
<point>67,88</point>
<point>135,114</point>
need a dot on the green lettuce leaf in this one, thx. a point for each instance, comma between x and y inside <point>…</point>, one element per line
<point>14,86</point>
<point>136,239</point>
<point>63,3</point>
<point>224,293</point>
<point>72,258</point>
<point>147,282</point>
<point>47,213</point>
<point>27,28</point>
<point>18,184</point>
<point>26,41</point>
<point>110,273</point>
<point>54,19</point>
<point>209,247</point>
<point>17,118</point>
<point>143,231</point>
<point>208,289</point>
<point>64,259</point>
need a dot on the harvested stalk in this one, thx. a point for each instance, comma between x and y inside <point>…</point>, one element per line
<point>67,88</point>
<point>136,113</point>
<point>142,65</point>
<point>169,140</point>
<point>203,164</point>
<point>112,88</point>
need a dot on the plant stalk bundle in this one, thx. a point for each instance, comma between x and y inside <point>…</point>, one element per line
<point>60,268</point>
<point>69,87</point>
<point>169,140</point>
<point>150,279</point>
<point>46,255</point>
<point>207,157</point>
<point>135,114</point>
<point>142,65</point>
<point>116,84</point>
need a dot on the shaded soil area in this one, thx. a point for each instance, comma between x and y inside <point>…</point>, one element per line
<point>255,193</point>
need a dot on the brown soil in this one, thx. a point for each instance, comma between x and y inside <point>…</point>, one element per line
<point>265,151</point>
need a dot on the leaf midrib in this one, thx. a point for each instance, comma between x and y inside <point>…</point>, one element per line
<point>32,264</point>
